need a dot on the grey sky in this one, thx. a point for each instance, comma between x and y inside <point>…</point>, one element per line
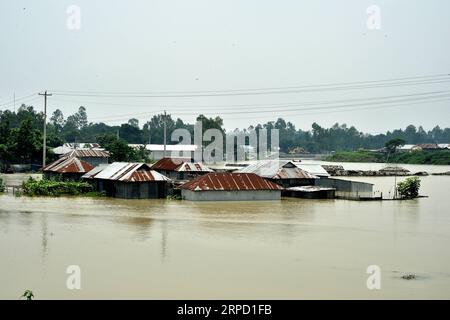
<point>200,45</point>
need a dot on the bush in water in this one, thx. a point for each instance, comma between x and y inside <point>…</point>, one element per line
<point>409,189</point>
<point>52,188</point>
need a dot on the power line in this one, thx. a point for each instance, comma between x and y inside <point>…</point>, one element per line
<point>441,76</point>
<point>259,93</point>
<point>444,96</point>
<point>271,105</point>
<point>11,102</point>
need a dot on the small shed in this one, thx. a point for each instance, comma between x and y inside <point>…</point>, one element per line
<point>129,181</point>
<point>348,189</point>
<point>92,156</point>
<point>67,169</point>
<point>180,168</point>
<point>282,172</point>
<point>230,187</point>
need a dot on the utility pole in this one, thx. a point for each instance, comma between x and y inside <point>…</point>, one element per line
<point>14,102</point>
<point>44,149</point>
<point>165,134</point>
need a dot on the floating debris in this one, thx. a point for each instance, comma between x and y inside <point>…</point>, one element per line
<point>409,276</point>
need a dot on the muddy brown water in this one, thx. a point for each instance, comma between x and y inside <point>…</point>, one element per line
<point>293,248</point>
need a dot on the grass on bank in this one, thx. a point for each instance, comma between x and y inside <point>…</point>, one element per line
<point>440,157</point>
<point>51,188</point>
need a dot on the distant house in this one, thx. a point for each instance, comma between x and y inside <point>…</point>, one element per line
<point>282,172</point>
<point>180,168</point>
<point>406,148</point>
<point>92,156</point>
<point>444,146</point>
<point>67,147</point>
<point>230,186</point>
<point>129,181</point>
<point>427,147</point>
<point>172,150</point>
<point>67,169</point>
<point>394,170</point>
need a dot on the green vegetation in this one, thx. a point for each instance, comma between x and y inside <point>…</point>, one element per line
<point>52,188</point>
<point>409,189</point>
<point>357,156</point>
<point>392,145</point>
<point>28,294</point>
<point>21,136</point>
<point>439,157</point>
<point>2,185</point>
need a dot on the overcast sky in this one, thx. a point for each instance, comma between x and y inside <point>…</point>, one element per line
<point>204,45</point>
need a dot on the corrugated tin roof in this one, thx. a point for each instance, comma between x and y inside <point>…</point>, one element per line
<point>69,165</point>
<point>180,165</point>
<point>277,169</point>
<point>88,153</point>
<point>230,182</point>
<point>91,174</point>
<point>312,168</point>
<point>130,172</point>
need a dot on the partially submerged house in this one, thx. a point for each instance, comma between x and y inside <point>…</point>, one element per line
<point>230,186</point>
<point>129,181</point>
<point>347,189</point>
<point>180,168</point>
<point>92,156</point>
<point>282,172</point>
<point>310,192</point>
<point>394,171</point>
<point>67,169</point>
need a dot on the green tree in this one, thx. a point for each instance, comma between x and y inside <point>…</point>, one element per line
<point>393,144</point>
<point>409,189</point>
<point>118,148</point>
<point>57,119</point>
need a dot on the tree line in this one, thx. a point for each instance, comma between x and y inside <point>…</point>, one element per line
<point>21,134</point>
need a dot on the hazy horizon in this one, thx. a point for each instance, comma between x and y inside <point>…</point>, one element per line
<point>200,46</point>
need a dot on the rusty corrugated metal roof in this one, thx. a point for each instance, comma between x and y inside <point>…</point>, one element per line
<point>230,182</point>
<point>180,164</point>
<point>87,153</point>
<point>69,165</point>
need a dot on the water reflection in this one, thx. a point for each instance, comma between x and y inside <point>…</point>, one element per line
<point>44,233</point>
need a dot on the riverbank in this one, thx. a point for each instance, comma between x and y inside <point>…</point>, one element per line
<point>440,157</point>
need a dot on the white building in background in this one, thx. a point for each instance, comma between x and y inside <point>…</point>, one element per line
<point>172,150</point>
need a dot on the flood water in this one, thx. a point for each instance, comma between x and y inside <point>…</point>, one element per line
<point>293,248</point>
